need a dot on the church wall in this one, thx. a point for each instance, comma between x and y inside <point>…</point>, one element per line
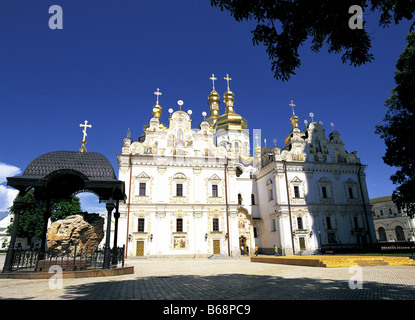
<point>160,208</point>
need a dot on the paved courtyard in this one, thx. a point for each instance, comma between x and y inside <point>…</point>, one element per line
<point>223,279</point>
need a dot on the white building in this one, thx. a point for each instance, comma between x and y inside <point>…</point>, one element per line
<point>200,192</point>
<point>391,223</point>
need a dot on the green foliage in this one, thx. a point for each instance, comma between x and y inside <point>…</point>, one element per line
<point>398,129</point>
<point>31,220</point>
<point>283,26</point>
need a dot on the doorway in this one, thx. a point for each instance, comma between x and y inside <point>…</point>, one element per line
<point>302,243</point>
<point>242,244</point>
<point>140,249</point>
<point>216,246</point>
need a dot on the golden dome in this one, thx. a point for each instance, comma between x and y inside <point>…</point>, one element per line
<point>213,97</point>
<point>213,101</point>
<point>230,120</point>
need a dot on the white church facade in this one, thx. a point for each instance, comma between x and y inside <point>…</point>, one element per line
<point>197,190</point>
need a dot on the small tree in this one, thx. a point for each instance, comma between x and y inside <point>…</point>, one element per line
<point>398,129</point>
<point>284,26</point>
<point>31,220</point>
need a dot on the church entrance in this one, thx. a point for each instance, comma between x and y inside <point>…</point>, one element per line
<point>242,244</point>
<point>216,246</point>
<point>140,249</point>
<point>302,243</point>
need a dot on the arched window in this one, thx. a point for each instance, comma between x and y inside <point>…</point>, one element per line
<point>382,234</point>
<point>400,236</point>
<point>269,187</point>
<point>252,199</point>
<point>239,199</point>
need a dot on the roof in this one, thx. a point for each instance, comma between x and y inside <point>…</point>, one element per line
<point>60,174</point>
<point>92,164</point>
<point>381,199</point>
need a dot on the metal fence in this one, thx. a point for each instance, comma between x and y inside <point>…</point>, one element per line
<point>379,248</point>
<point>38,260</point>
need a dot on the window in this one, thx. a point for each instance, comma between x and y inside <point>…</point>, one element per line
<point>331,237</point>
<point>239,199</point>
<point>179,225</point>
<point>351,193</point>
<point>382,234</point>
<point>269,187</point>
<point>270,197</point>
<point>300,223</point>
<point>255,232</point>
<point>356,222</point>
<point>324,191</point>
<point>142,191</point>
<point>140,225</point>
<point>400,236</point>
<point>273,225</point>
<point>328,222</point>
<point>238,171</point>
<point>215,224</point>
<point>214,190</point>
<point>296,192</point>
<point>179,190</point>
<point>252,199</point>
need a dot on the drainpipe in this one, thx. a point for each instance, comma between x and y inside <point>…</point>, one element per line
<point>363,201</point>
<point>289,204</point>
<point>227,207</point>
<point>128,205</point>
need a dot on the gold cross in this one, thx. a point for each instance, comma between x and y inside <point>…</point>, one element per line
<point>213,80</point>
<point>292,105</point>
<point>158,93</point>
<point>85,125</point>
<point>227,79</point>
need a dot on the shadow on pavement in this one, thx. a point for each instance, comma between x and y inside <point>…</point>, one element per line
<point>236,287</point>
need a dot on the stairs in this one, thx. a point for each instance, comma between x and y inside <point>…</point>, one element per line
<point>336,261</point>
<point>219,256</point>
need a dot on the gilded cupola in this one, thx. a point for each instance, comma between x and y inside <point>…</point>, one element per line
<point>156,112</point>
<point>230,120</point>
<point>213,101</point>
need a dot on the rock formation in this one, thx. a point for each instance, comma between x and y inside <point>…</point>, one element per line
<point>83,231</point>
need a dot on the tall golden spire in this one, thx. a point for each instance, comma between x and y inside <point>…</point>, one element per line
<point>157,107</point>
<point>156,112</point>
<point>294,118</point>
<point>230,120</point>
<point>213,101</point>
<point>229,96</point>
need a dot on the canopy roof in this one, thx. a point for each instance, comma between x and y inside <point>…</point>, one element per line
<point>60,174</point>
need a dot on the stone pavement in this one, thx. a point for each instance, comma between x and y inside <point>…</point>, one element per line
<point>223,279</point>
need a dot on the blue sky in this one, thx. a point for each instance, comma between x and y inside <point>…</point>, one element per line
<point>109,58</point>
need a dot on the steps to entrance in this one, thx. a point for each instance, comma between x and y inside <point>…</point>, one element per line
<point>335,261</point>
<point>219,256</point>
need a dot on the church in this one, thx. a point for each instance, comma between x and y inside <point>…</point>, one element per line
<point>200,190</point>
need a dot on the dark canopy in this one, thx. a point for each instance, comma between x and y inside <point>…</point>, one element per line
<point>60,174</point>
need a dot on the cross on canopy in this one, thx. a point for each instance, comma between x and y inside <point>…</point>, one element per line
<point>85,125</point>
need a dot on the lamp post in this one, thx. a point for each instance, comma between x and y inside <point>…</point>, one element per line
<point>107,251</point>
<point>319,237</point>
